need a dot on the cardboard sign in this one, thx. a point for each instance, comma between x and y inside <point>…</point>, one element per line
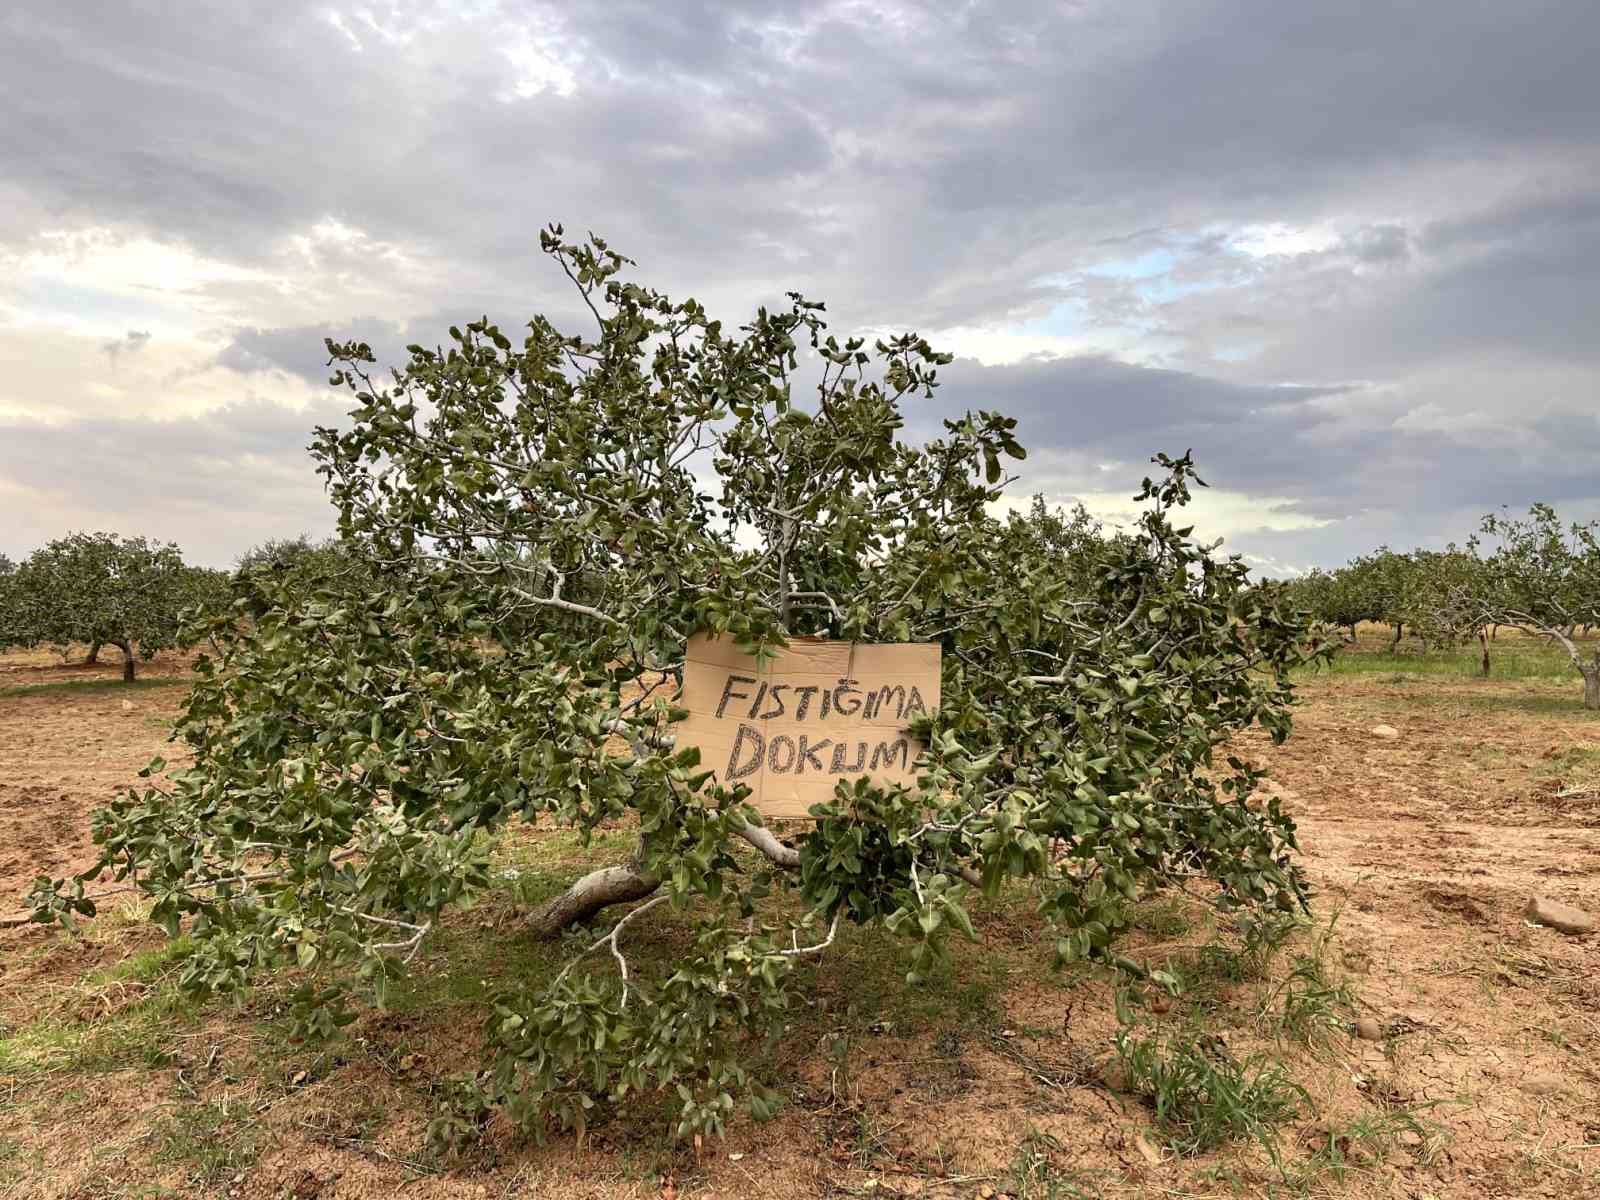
<point>816,713</point>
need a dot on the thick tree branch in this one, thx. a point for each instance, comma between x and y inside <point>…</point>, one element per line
<point>596,890</point>
<point>767,842</point>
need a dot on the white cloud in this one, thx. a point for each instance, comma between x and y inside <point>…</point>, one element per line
<point>1278,239</point>
<point>537,66</point>
<point>57,375</point>
<point>1214,512</point>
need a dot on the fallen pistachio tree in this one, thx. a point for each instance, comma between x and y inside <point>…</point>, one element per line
<point>545,522</point>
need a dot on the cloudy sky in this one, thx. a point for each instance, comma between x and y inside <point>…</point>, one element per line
<point>1349,252</point>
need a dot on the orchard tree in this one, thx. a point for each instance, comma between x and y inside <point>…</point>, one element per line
<point>298,553</point>
<point>99,588</point>
<point>278,553</point>
<point>546,521</point>
<point>11,617</point>
<point>1369,588</point>
<point>1388,575</point>
<point>1443,597</point>
<point>1544,578</point>
<point>302,563</point>
<point>1342,598</point>
<point>195,593</point>
<point>1310,593</point>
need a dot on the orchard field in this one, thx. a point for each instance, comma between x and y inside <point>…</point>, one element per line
<point>1001,1078</point>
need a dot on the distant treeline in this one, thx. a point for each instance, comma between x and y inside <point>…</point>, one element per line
<point>1534,572</point>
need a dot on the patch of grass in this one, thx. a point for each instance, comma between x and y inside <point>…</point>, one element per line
<point>1034,1174</point>
<point>80,686</point>
<point>869,1142</point>
<point>139,1034</point>
<point>1365,1142</point>
<point>467,966</point>
<point>1510,966</point>
<point>466,962</point>
<point>1162,917</point>
<point>1306,1006</point>
<point>523,850</point>
<point>354,1119</point>
<point>10,1163</point>
<point>212,1141</point>
<point>148,966</point>
<point>1578,768</point>
<point>1509,658</point>
<point>1566,704</point>
<point>1309,1003</point>
<point>1205,972</point>
<point>865,983</point>
<point>1202,1097</point>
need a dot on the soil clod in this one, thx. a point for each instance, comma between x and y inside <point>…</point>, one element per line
<point>1558,916</point>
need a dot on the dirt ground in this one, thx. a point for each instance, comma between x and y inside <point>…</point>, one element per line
<point>1423,848</point>
<point>71,734</point>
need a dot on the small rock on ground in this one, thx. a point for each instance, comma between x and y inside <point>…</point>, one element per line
<point>1387,732</point>
<point>1151,1152</point>
<point>1544,1085</point>
<point>1544,911</point>
<point>1368,1030</point>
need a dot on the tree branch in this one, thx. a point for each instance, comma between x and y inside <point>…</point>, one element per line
<point>767,842</point>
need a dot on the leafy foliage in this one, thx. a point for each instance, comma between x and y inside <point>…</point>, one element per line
<point>539,525</point>
<point>98,587</point>
<point>1370,588</point>
<point>305,557</point>
<point>1543,574</point>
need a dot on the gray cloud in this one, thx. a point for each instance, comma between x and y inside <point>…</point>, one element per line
<point>129,343</point>
<point>1350,253</point>
<point>215,483</point>
<point>302,351</point>
<point>1366,466</point>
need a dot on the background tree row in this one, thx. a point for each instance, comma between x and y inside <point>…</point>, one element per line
<point>1534,573</point>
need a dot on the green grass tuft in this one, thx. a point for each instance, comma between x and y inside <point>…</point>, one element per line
<point>1202,1097</point>
<point>1035,1175</point>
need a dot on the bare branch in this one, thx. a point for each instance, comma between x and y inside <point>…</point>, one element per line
<point>610,939</point>
<point>823,596</point>
<point>766,841</point>
<point>799,950</point>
